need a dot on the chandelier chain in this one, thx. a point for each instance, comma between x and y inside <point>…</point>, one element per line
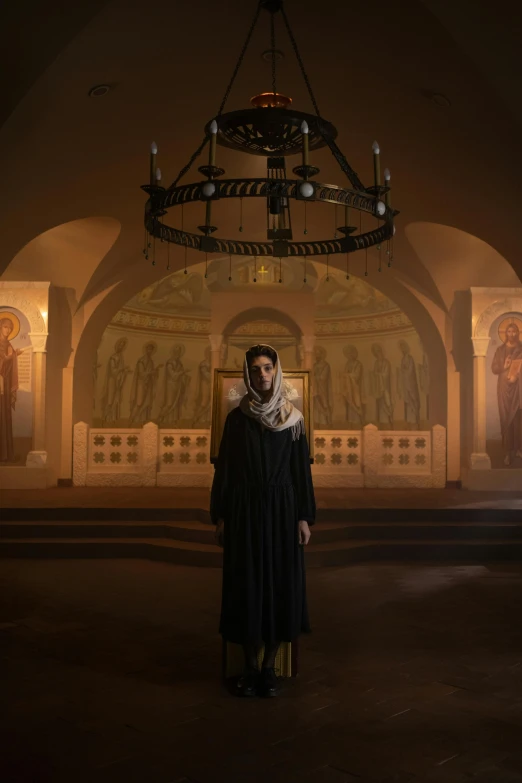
<point>193,157</point>
<point>201,147</point>
<point>299,60</point>
<point>239,62</point>
<point>272,44</point>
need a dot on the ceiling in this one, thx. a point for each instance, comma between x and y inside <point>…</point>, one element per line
<point>67,157</point>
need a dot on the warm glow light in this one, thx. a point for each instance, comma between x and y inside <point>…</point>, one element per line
<point>154,148</point>
<point>44,314</point>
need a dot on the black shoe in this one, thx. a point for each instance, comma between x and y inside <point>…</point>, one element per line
<point>268,683</point>
<point>247,684</point>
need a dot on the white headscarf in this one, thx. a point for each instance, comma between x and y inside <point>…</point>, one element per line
<point>277,413</point>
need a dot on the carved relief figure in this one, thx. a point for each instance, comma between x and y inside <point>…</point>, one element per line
<point>176,381</point>
<point>353,296</point>
<point>352,384</point>
<point>177,290</point>
<point>115,377</point>
<point>95,367</point>
<point>143,390</point>
<point>381,386</point>
<point>202,405</point>
<point>424,381</point>
<point>507,363</point>
<point>408,387</point>
<point>323,393</point>
<point>8,386</point>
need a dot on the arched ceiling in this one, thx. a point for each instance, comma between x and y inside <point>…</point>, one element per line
<point>65,156</point>
<point>66,254</point>
<point>458,260</point>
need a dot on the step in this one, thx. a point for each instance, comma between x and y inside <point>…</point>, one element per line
<point>322,532</point>
<point>458,514</point>
<point>180,552</point>
<point>199,532</point>
<point>209,555</point>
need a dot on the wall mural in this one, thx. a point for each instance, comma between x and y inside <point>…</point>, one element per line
<point>365,387</point>
<point>179,291</point>
<point>504,393</point>
<point>338,296</point>
<point>15,387</point>
<point>370,366</point>
<point>154,361</point>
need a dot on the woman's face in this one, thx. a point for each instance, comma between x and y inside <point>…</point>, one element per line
<point>261,373</point>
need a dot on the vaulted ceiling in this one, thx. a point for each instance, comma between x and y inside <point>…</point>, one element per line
<point>373,66</point>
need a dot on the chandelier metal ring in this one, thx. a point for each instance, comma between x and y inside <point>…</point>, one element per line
<point>162,200</point>
<point>249,248</point>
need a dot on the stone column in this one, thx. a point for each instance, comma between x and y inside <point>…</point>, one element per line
<point>438,456</point>
<point>371,449</point>
<point>479,458</point>
<point>149,452</point>
<point>307,344</point>
<point>37,457</point>
<point>216,348</point>
<point>66,452</point>
<point>454,422</point>
<point>80,453</point>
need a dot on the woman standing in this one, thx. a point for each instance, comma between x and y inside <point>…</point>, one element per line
<point>263,504</point>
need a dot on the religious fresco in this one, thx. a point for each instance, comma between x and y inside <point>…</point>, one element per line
<point>163,380</point>
<point>16,396</point>
<point>154,361</point>
<point>385,383</point>
<point>176,292</point>
<point>338,296</point>
<point>369,363</point>
<point>504,392</point>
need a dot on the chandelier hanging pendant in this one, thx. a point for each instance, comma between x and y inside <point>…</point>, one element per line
<point>273,129</point>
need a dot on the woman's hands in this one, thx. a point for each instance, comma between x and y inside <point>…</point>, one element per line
<point>304,532</point>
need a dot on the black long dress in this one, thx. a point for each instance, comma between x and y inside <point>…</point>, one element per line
<point>262,488</point>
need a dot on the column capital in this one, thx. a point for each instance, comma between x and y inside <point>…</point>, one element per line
<point>480,346</point>
<point>308,342</point>
<point>216,341</point>
<point>39,341</point>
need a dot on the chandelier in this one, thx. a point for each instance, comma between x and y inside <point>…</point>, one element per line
<point>271,128</point>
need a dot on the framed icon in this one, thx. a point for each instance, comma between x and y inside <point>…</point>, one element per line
<point>229,388</point>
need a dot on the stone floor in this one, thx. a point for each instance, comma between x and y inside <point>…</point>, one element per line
<point>412,674</point>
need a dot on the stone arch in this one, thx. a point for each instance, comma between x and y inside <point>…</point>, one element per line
<point>253,314</point>
<point>506,303</point>
<point>258,313</point>
<point>66,254</point>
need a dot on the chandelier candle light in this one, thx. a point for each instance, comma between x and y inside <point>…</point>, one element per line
<point>273,129</point>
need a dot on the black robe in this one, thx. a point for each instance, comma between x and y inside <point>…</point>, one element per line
<point>262,488</point>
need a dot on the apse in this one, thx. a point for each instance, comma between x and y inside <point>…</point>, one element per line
<point>369,365</point>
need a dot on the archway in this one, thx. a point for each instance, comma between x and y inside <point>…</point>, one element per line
<point>263,325</point>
